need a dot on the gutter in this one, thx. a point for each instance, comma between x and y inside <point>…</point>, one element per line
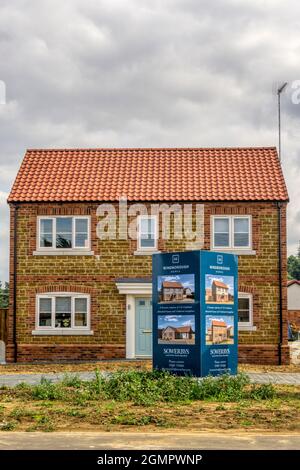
<point>15,264</point>
<point>280,284</point>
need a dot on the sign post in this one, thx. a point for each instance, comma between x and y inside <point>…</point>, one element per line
<point>195,300</point>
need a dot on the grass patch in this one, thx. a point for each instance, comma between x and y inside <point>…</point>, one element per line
<point>147,388</point>
<point>152,400</point>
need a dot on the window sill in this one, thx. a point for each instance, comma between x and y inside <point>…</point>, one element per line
<point>246,328</point>
<point>145,252</point>
<point>62,332</point>
<point>234,251</point>
<point>63,253</point>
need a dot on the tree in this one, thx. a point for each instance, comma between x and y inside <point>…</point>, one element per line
<point>4,295</point>
<point>293,267</point>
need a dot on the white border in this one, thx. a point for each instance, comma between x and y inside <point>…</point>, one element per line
<point>73,330</point>
<point>151,249</point>
<point>53,249</point>
<point>247,325</point>
<point>236,250</point>
<point>132,292</point>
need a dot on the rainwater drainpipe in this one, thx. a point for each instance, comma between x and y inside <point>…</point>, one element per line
<point>280,284</point>
<point>15,264</point>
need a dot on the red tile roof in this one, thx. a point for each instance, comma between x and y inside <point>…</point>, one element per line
<point>220,284</point>
<point>184,329</point>
<point>293,281</point>
<point>173,284</point>
<point>218,323</point>
<point>180,329</point>
<point>166,174</point>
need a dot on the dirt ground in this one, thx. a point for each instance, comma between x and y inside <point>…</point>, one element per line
<point>276,415</point>
<point>123,364</point>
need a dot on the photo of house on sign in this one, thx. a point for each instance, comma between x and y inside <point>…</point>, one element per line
<point>219,330</point>
<point>176,329</point>
<point>219,289</point>
<point>174,289</point>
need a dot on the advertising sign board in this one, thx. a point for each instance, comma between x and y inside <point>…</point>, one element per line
<point>195,313</point>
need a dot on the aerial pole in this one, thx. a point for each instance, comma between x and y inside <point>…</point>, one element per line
<point>279,91</point>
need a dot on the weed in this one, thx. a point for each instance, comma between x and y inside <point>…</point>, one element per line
<point>8,426</point>
<point>220,408</point>
<point>47,390</point>
<point>262,392</point>
<point>73,381</point>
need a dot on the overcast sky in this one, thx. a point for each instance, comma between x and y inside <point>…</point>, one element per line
<point>128,73</point>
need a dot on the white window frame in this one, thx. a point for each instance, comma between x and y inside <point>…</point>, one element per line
<point>249,324</point>
<point>231,246</point>
<point>53,247</point>
<point>139,225</point>
<point>52,330</point>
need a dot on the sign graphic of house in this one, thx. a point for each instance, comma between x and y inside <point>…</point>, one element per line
<point>208,294</point>
<point>218,331</point>
<point>219,291</point>
<point>172,290</point>
<point>182,332</point>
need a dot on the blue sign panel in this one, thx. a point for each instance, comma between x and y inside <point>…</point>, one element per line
<point>218,313</point>
<point>195,313</point>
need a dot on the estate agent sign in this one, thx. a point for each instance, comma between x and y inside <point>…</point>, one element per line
<point>195,301</point>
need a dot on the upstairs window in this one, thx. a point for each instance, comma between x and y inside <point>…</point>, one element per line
<point>64,233</point>
<point>147,233</point>
<point>231,232</point>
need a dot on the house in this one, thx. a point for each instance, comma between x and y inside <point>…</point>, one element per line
<point>293,302</point>
<point>230,332</point>
<point>79,291</point>
<point>208,294</point>
<point>171,290</point>
<point>218,331</point>
<point>208,335</point>
<point>187,292</point>
<point>182,332</point>
<point>219,291</point>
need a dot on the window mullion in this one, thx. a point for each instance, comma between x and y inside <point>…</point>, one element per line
<point>73,232</point>
<point>54,234</point>
<point>53,306</point>
<point>72,311</point>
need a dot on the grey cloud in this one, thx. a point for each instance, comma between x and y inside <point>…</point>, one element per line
<point>140,73</point>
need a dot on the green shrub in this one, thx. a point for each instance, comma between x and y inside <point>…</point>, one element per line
<point>223,388</point>
<point>262,392</point>
<point>73,381</point>
<point>47,390</point>
<point>147,388</point>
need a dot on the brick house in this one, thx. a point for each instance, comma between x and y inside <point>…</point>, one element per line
<point>182,332</point>
<point>218,331</point>
<point>219,291</point>
<point>75,296</point>
<point>171,290</point>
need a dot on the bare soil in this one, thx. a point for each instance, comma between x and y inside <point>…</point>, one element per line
<point>276,415</point>
<point>119,364</point>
